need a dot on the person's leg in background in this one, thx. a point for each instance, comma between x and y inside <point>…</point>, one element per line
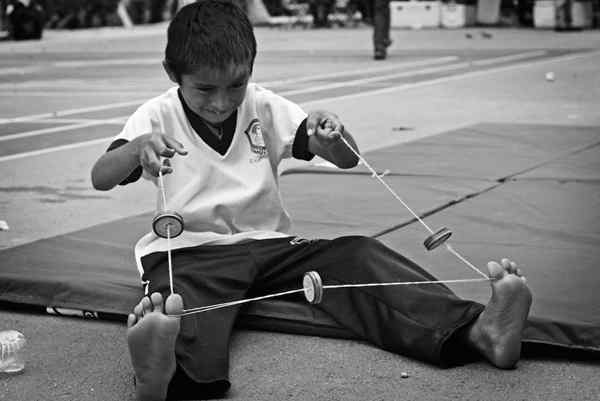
<point>320,10</point>
<point>381,28</point>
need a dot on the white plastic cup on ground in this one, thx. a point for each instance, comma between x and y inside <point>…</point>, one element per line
<point>12,358</point>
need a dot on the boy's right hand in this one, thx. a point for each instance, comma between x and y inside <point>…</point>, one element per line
<point>152,147</point>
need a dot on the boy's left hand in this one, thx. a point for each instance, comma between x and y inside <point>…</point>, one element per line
<point>325,126</point>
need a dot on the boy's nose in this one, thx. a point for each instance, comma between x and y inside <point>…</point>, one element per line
<point>220,102</point>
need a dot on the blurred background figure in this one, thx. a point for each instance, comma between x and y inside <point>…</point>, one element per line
<point>25,18</point>
<point>365,8</point>
<point>320,10</point>
<point>381,28</point>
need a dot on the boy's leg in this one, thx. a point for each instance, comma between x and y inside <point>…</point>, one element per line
<point>202,276</point>
<point>420,321</point>
<point>151,336</point>
<point>496,333</point>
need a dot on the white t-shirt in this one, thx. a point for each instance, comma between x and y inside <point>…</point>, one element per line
<point>223,199</point>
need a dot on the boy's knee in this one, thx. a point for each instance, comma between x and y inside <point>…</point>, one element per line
<point>361,249</point>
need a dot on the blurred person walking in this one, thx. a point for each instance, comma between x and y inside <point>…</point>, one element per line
<point>26,19</point>
<point>381,28</point>
<point>320,10</point>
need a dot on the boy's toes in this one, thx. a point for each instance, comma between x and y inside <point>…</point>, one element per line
<point>146,305</point>
<point>174,304</point>
<point>157,302</point>
<point>495,271</point>
<point>138,310</point>
<point>131,320</point>
<point>509,266</point>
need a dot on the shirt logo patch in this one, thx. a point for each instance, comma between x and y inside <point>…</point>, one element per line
<point>257,142</point>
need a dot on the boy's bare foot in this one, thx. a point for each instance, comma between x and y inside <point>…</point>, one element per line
<point>151,336</point>
<point>497,332</point>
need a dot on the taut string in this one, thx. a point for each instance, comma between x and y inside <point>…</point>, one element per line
<point>202,309</point>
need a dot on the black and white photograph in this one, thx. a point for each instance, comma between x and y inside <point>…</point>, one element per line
<point>303,200</point>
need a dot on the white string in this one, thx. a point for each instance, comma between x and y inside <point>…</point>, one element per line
<point>466,280</point>
<point>459,256</point>
<point>448,247</point>
<point>363,161</point>
<point>201,309</point>
<point>161,185</point>
<point>169,257</point>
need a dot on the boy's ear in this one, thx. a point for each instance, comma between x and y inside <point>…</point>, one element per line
<point>173,76</point>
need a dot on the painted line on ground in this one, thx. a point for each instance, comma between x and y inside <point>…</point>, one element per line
<point>75,64</point>
<point>355,82</point>
<point>357,95</point>
<point>404,74</point>
<point>70,112</point>
<point>345,73</point>
<point>456,77</point>
<point>115,120</point>
<point>283,93</point>
<point>54,149</point>
<point>71,94</point>
<point>13,89</point>
<point>510,57</point>
<point>52,130</point>
<point>68,83</point>
<point>273,83</point>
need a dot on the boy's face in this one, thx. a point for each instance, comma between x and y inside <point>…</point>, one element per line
<point>214,94</point>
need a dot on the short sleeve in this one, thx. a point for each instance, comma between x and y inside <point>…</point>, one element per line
<point>139,123</point>
<point>136,173</point>
<point>281,120</point>
<point>300,147</point>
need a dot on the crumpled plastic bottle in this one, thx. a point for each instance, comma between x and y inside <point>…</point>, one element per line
<point>12,358</point>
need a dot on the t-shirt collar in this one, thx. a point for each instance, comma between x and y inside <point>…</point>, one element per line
<point>204,131</point>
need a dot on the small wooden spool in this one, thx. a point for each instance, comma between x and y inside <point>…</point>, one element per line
<point>437,238</point>
<point>313,287</point>
<point>167,220</point>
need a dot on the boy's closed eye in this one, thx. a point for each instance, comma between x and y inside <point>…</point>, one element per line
<point>237,85</point>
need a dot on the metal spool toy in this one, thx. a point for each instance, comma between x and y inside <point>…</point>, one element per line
<point>437,238</point>
<point>167,224</point>
<point>313,287</point>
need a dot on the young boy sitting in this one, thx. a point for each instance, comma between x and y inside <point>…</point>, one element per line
<point>224,138</point>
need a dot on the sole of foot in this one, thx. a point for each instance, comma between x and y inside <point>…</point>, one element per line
<point>151,336</point>
<point>497,332</point>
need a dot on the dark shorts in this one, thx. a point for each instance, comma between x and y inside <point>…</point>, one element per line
<point>416,321</point>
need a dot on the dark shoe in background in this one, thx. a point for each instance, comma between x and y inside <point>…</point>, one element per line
<point>380,54</point>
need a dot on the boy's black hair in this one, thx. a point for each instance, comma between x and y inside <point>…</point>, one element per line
<point>209,33</point>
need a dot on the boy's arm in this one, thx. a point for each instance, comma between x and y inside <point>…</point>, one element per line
<point>145,150</point>
<point>114,166</point>
<point>325,131</point>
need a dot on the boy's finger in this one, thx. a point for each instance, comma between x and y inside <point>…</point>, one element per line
<point>154,126</point>
<point>166,170</point>
<point>335,135</point>
<point>151,162</point>
<point>338,127</point>
<point>311,124</point>
<point>175,145</point>
<point>335,124</point>
<point>167,152</point>
<point>313,121</point>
